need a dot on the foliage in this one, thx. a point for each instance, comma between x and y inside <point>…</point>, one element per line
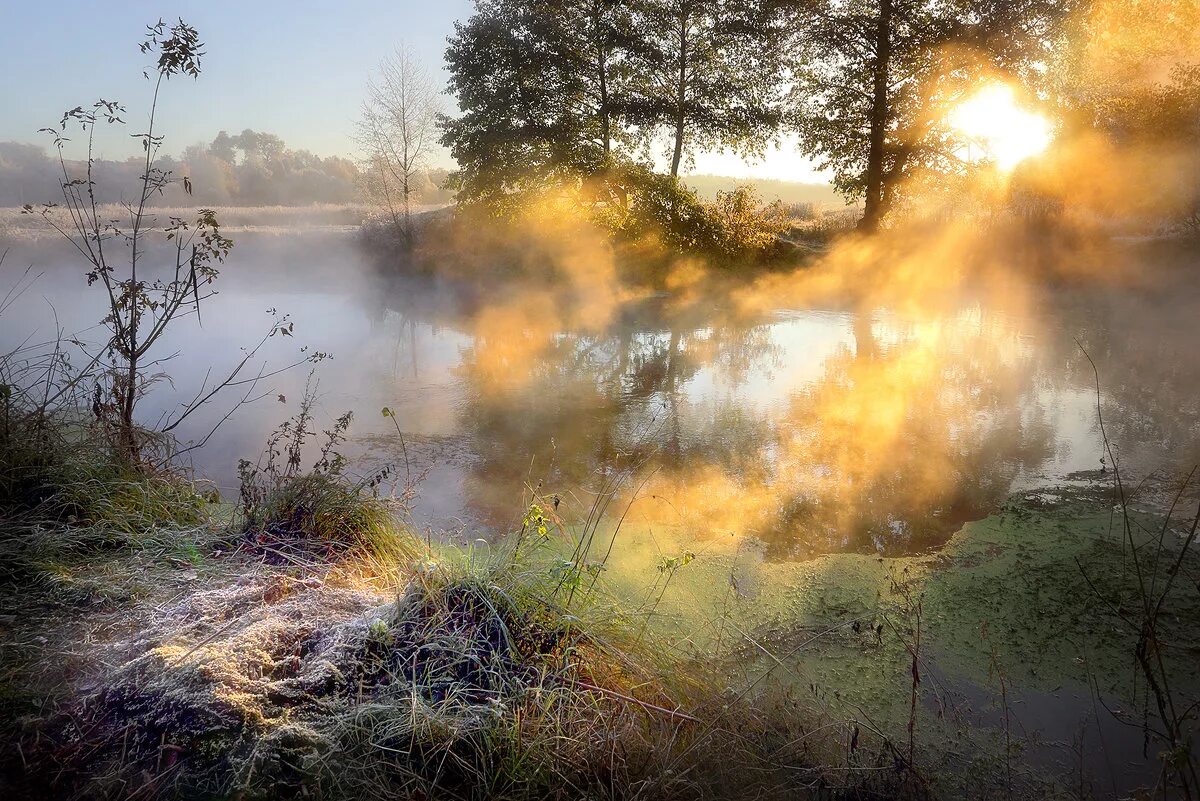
<point>1131,73</point>
<point>59,460</point>
<point>557,93</point>
<point>320,510</point>
<point>257,168</point>
<point>733,228</point>
<point>873,77</point>
<point>520,130</point>
<point>746,229</point>
<point>250,168</point>
<point>707,73</point>
<point>654,205</point>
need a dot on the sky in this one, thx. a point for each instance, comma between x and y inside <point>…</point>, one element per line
<point>296,69</point>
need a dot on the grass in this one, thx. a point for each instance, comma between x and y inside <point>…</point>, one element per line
<point>317,514</point>
<point>309,645</point>
<point>472,677</point>
<point>58,467</point>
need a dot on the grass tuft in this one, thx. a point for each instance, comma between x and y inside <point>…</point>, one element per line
<point>64,471</point>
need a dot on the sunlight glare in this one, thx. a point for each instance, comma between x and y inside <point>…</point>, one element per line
<point>992,118</point>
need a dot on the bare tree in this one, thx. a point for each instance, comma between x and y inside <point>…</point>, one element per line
<point>397,132</point>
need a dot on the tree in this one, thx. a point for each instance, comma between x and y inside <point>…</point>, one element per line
<point>540,88</point>
<point>223,147</point>
<point>140,305</point>
<point>708,73</point>
<point>873,76</point>
<point>590,41</point>
<point>258,147</point>
<point>397,131</point>
<point>1131,73</point>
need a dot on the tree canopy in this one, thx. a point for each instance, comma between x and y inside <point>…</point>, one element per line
<point>554,91</point>
<point>874,77</point>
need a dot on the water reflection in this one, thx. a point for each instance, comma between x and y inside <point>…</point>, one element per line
<point>815,431</point>
<point>811,431</point>
<point>874,428</point>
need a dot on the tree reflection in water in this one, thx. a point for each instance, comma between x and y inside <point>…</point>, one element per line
<point>814,431</point>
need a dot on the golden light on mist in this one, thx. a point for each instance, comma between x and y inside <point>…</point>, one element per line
<point>992,119</point>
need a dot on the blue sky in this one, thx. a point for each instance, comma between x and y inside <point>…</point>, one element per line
<point>296,69</point>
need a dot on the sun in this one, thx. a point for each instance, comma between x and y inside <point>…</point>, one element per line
<point>991,119</point>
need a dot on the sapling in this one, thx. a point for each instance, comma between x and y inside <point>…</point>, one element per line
<point>146,290</point>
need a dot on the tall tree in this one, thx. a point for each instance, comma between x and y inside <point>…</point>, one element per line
<point>592,39</point>
<point>708,73</point>
<point>397,131</point>
<point>872,77</point>
<point>538,84</point>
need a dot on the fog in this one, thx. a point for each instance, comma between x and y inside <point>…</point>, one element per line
<point>904,464</point>
<point>796,409</point>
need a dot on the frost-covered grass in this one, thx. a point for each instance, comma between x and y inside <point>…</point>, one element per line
<point>466,673</point>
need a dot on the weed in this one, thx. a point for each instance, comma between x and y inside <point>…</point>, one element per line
<point>285,509</point>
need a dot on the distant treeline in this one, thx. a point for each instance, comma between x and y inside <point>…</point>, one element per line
<point>245,169</point>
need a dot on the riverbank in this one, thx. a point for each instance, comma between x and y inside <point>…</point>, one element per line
<point>310,645</point>
<point>183,660</point>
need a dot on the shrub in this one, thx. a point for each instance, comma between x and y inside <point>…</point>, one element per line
<point>743,228</point>
<point>638,203</point>
<point>318,511</point>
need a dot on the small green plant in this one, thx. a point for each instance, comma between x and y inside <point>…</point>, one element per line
<point>535,522</point>
<point>284,506</point>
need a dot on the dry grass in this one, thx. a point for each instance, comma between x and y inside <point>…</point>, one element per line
<point>474,681</point>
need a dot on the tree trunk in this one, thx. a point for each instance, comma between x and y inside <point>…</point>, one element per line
<point>129,441</point>
<point>605,122</point>
<point>680,97</point>
<point>879,119</point>
<point>602,74</point>
<point>408,231</point>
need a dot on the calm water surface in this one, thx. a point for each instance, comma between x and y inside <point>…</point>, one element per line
<point>812,429</point>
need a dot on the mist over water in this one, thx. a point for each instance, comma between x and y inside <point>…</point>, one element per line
<point>814,428</point>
